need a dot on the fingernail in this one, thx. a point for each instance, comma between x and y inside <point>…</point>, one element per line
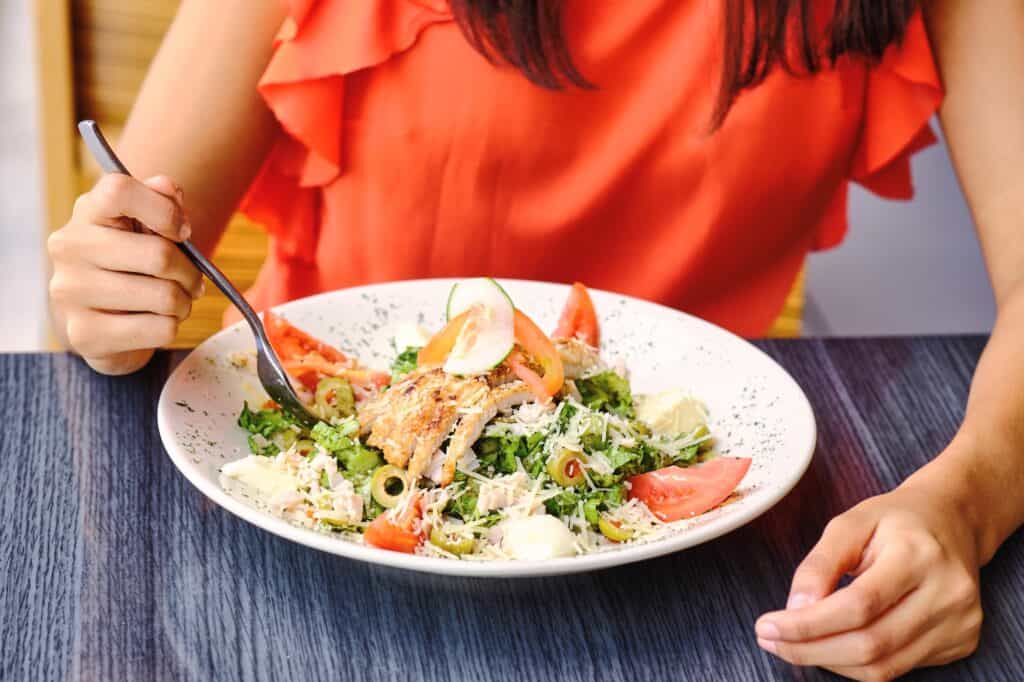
<point>767,645</point>
<point>200,290</point>
<point>186,231</point>
<point>767,630</point>
<point>180,194</point>
<point>798,601</point>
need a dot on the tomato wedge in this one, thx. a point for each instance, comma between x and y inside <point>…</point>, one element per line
<point>675,493</point>
<point>533,381</point>
<point>543,352</point>
<point>291,343</point>
<point>441,344</point>
<point>309,360</point>
<point>397,534</point>
<point>319,368</point>
<point>579,319</point>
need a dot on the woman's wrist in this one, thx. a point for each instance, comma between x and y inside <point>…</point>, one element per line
<point>969,478</point>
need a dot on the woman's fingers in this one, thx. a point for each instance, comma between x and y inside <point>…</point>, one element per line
<point>119,292</point>
<point>916,653</point>
<point>146,254</point>
<point>894,630</point>
<point>889,578</point>
<point>838,552</point>
<point>99,335</point>
<point>167,187</point>
<point>120,363</point>
<point>118,196</point>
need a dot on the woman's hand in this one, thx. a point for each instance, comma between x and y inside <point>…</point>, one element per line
<point>913,601</point>
<point>117,294</point>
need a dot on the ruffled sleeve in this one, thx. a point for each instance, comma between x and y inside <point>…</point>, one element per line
<point>902,93</point>
<point>320,43</point>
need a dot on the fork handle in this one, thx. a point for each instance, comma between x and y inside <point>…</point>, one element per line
<point>108,161</point>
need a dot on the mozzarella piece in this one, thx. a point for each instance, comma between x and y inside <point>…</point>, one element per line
<point>671,413</point>
<point>261,474</point>
<point>534,538</point>
<point>408,335</point>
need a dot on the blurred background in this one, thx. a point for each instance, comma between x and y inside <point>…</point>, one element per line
<point>905,268</point>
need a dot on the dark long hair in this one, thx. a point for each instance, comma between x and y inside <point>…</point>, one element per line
<point>758,35</point>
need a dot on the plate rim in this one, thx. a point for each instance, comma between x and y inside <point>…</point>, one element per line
<point>481,569</point>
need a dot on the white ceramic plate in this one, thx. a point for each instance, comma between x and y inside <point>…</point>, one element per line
<point>757,410</point>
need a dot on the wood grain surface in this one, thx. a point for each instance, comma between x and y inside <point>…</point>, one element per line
<point>112,567</point>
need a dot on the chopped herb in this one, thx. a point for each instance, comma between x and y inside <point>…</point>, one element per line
<point>686,455</point>
<point>355,457</point>
<point>499,453</point>
<point>264,422</point>
<point>335,438</point>
<point>566,411</point>
<point>269,430</point>
<point>598,501</point>
<point>607,392</point>
<point>563,504</point>
<point>463,506</point>
<point>259,445</point>
<point>404,363</point>
<point>605,480</point>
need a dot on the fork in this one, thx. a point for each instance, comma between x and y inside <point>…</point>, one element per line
<point>268,366</point>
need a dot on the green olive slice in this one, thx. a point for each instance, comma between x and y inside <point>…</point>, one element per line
<point>334,398</point>
<point>703,432</point>
<point>388,485</point>
<point>453,543</point>
<point>305,447</point>
<point>611,530</point>
<point>566,468</point>
<point>285,438</point>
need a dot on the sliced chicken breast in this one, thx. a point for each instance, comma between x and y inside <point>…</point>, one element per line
<point>472,425</point>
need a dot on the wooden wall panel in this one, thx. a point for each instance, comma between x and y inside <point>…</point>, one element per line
<point>113,42</point>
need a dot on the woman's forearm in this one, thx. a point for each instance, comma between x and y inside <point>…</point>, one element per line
<point>979,53</point>
<point>199,118</point>
<point>982,470</point>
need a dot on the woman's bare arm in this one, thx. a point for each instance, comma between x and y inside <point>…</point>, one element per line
<point>916,551</point>
<point>981,58</point>
<point>198,117</point>
<point>195,139</point>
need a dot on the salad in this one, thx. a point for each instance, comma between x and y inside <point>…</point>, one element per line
<point>488,439</point>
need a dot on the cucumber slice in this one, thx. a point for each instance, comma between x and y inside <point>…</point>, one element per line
<point>488,335</point>
<point>484,290</point>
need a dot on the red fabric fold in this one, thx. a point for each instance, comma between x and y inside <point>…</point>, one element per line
<point>304,85</point>
<point>902,94</point>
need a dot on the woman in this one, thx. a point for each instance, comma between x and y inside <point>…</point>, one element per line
<point>669,157</point>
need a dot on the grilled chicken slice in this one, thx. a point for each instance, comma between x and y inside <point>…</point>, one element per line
<point>502,374</point>
<point>437,424</point>
<point>472,425</point>
<point>411,420</point>
<point>400,414</point>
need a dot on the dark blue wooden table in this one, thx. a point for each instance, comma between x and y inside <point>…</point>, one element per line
<point>112,567</point>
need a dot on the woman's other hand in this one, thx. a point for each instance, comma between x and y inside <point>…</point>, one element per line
<point>913,601</point>
<point>117,294</point>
